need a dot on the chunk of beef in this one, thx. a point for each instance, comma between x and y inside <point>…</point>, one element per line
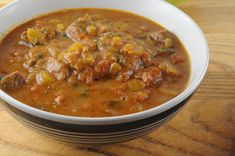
<point>147,60</point>
<point>163,38</point>
<point>87,26</point>
<point>12,81</point>
<point>152,75</point>
<point>75,31</point>
<point>160,36</point>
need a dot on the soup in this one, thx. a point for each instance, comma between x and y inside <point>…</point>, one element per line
<point>92,63</point>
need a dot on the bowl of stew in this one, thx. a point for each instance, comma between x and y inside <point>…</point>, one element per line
<point>94,71</point>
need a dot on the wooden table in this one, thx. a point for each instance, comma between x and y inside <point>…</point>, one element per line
<point>205,127</point>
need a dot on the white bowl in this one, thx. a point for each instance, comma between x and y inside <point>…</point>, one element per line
<point>109,129</point>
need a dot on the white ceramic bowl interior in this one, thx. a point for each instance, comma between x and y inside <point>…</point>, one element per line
<point>157,10</point>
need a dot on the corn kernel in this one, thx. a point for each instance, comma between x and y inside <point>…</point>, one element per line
<point>78,47</point>
<point>91,29</point>
<point>128,47</point>
<point>115,68</point>
<point>116,41</point>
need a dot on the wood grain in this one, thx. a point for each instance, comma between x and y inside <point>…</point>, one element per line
<point>205,127</point>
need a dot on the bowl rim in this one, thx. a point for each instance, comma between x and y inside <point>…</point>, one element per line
<point>123,118</point>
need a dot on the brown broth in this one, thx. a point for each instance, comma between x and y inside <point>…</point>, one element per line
<point>91,105</point>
